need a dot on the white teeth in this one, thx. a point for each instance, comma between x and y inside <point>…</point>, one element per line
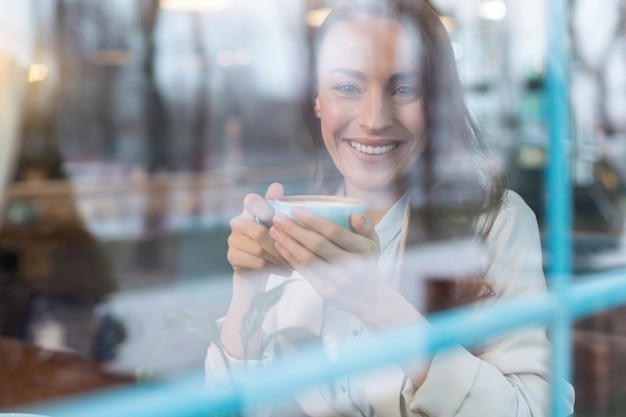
<point>372,150</point>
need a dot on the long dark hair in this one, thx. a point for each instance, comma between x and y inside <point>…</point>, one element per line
<point>454,188</point>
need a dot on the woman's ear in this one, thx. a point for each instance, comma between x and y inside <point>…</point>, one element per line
<point>316,106</point>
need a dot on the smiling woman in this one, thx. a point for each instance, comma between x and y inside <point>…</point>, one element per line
<point>439,230</point>
<point>371,110</point>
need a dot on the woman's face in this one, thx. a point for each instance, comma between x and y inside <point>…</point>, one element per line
<point>370,102</point>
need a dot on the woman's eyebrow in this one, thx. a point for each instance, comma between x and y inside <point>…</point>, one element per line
<point>349,72</point>
<point>402,76</point>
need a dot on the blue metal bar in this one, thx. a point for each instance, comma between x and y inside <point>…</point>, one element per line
<point>558,190</point>
<point>558,198</point>
<point>188,397</point>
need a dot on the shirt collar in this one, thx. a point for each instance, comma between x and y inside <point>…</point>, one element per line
<point>391,224</point>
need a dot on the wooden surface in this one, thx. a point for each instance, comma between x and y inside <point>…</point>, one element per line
<point>599,369</point>
<point>29,374</point>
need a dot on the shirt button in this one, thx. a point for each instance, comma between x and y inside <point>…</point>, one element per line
<point>343,389</point>
<point>355,333</point>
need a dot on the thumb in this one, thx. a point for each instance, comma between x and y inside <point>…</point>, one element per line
<point>363,226</point>
<point>274,191</point>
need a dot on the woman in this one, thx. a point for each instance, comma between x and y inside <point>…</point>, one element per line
<point>389,119</point>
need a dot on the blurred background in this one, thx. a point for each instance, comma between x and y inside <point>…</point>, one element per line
<point>143,124</point>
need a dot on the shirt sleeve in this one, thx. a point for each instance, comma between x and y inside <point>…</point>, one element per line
<point>508,376</point>
<point>220,366</point>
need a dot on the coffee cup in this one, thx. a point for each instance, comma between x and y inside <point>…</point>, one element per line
<point>335,208</point>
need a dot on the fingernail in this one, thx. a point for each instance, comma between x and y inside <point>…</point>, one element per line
<point>274,231</point>
<point>298,211</point>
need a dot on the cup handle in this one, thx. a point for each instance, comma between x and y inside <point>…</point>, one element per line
<point>261,222</point>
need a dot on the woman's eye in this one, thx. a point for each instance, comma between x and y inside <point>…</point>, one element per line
<point>407,92</point>
<point>347,89</point>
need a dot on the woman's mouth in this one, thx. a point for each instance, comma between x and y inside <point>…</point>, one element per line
<point>372,150</point>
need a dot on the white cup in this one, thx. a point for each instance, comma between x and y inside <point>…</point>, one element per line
<point>335,208</point>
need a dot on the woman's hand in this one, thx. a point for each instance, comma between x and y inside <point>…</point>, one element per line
<point>341,265</point>
<point>251,250</point>
<point>252,254</point>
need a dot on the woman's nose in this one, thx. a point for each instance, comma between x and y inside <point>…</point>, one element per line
<point>376,112</point>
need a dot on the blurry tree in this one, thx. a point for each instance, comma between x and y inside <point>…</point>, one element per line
<point>200,129</point>
<point>155,110</point>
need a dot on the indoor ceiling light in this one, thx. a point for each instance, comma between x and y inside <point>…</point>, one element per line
<point>37,73</point>
<point>493,9</point>
<point>195,6</point>
<point>448,22</point>
<point>316,17</point>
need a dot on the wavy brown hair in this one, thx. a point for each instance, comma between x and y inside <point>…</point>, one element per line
<point>445,203</point>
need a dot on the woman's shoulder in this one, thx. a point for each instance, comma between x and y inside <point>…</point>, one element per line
<point>515,250</point>
<point>514,222</point>
<point>514,208</point>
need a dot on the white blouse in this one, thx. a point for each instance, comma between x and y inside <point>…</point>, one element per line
<point>507,376</point>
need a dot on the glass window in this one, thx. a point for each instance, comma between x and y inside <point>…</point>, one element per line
<point>132,131</point>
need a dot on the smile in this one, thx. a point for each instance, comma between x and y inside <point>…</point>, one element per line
<point>372,150</point>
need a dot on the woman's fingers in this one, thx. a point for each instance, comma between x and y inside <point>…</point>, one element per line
<point>247,263</point>
<point>274,191</point>
<point>253,248</point>
<point>254,239</point>
<point>246,254</point>
<point>364,226</point>
<point>328,241</point>
<point>336,262</point>
<point>336,234</point>
<point>249,245</point>
<point>289,247</point>
<point>335,278</point>
<point>304,241</point>
<point>256,208</point>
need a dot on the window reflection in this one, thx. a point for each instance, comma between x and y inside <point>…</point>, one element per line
<point>143,125</point>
